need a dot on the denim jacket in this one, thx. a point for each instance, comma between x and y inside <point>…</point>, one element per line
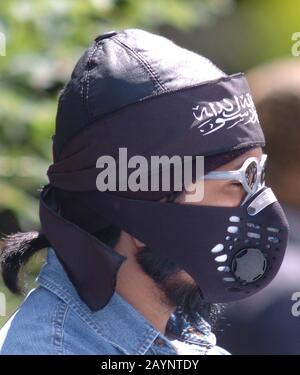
<point>54,320</point>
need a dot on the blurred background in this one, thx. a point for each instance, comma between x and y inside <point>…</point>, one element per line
<point>44,39</point>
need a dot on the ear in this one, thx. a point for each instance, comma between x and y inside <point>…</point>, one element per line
<point>128,241</point>
<point>139,244</point>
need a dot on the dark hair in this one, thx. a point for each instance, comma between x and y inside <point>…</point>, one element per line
<point>18,248</point>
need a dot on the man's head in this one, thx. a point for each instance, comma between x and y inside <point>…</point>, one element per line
<point>142,92</point>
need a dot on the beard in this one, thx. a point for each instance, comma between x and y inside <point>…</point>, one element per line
<point>177,291</point>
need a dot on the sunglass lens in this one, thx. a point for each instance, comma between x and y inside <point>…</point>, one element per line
<point>251,174</point>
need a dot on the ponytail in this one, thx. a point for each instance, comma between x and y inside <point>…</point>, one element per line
<point>15,251</point>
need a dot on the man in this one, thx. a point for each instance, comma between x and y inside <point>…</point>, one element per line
<point>138,271</point>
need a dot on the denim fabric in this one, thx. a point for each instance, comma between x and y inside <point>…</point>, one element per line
<point>54,320</point>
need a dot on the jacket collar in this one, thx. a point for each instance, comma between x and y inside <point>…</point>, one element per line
<point>119,320</point>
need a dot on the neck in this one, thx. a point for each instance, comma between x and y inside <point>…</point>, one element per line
<point>143,294</point>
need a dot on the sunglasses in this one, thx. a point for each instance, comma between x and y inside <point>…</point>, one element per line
<point>251,175</point>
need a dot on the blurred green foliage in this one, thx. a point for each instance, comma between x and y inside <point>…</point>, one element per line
<point>256,32</point>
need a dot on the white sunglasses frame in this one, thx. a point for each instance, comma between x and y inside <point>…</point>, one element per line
<point>240,175</point>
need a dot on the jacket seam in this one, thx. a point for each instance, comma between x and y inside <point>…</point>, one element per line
<point>147,343</point>
<point>58,326</point>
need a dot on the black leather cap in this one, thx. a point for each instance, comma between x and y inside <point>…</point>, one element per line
<point>124,67</point>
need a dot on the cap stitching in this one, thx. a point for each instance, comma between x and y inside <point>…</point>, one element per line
<point>145,63</point>
<point>86,78</point>
<point>82,83</point>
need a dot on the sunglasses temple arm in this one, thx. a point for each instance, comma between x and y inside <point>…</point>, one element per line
<point>218,175</point>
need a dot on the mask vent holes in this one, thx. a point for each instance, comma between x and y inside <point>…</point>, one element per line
<point>253,225</point>
<point>221,258</point>
<point>274,230</point>
<point>218,248</point>
<point>223,269</point>
<point>233,229</point>
<point>253,235</point>
<point>234,219</point>
<point>273,239</point>
<point>228,279</point>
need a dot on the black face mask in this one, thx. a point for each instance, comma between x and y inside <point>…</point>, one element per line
<point>226,266</point>
<point>231,252</point>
